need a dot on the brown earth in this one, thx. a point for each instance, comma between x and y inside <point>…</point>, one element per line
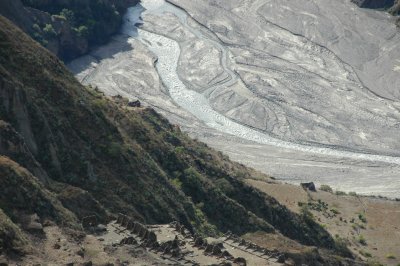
<point>380,229</point>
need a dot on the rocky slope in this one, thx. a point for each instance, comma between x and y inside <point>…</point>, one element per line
<point>64,144</point>
<point>67,28</point>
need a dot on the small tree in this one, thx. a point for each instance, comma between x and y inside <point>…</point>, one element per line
<point>82,31</point>
<point>326,188</point>
<point>68,15</point>
<point>49,31</point>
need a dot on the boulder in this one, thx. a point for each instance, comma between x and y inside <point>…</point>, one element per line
<point>227,255</point>
<point>136,103</point>
<point>209,248</point>
<point>176,252</point>
<point>281,258</point>
<point>175,243</point>
<point>309,186</point>
<point>182,230</point>
<point>240,261</point>
<point>217,250</point>
<point>198,242</point>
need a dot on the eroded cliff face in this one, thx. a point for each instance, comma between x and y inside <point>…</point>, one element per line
<point>70,34</point>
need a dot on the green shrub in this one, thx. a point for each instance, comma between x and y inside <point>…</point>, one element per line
<point>82,31</point>
<point>352,193</point>
<point>176,183</point>
<point>69,15</point>
<point>179,150</point>
<point>49,31</point>
<point>335,211</point>
<point>362,240</point>
<point>362,218</point>
<point>326,188</point>
<point>340,193</point>
<point>114,149</point>
<point>224,186</point>
<point>36,27</point>
<point>341,245</point>
<point>306,213</point>
<point>205,227</point>
<point>365,254</point>
<point>391,256</point>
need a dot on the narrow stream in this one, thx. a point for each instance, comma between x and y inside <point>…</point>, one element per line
<point>168,52</point>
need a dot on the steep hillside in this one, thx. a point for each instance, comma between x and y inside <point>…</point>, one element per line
<point>70,152</point>
<point>67,28</point>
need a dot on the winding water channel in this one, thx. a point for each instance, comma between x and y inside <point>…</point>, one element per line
<point>168,53</point>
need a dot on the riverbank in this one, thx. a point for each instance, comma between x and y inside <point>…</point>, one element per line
<point>143,66</point>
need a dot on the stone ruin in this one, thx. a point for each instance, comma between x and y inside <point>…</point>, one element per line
<point>145,236</point>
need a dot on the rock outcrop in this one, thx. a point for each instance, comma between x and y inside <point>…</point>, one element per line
<point>309,186</point>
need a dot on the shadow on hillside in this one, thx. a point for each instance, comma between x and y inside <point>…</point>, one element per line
<point>118,44</point>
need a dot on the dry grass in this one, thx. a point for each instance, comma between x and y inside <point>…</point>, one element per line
<point>376,233</point>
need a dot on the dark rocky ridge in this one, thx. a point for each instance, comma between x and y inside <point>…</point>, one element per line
<point>93,24</point>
